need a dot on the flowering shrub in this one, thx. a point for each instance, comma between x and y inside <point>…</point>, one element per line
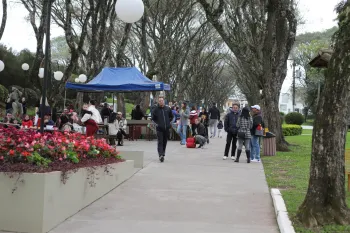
<point>30,147</point>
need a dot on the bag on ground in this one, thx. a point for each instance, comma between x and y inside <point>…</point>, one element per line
<point>191,142</point>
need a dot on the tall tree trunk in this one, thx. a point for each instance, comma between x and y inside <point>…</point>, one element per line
<point>4,17</point>
<point>325,201</point>
<point>79,102</point>
<point>271,114</point>
<point>121,104</point>
<point>75,45</point>
<point>270,45</point>
<point>120,63</point>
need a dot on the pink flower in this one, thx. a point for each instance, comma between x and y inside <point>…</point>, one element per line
<point>60,159</point>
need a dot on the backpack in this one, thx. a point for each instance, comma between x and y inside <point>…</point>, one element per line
<point>191,142</point>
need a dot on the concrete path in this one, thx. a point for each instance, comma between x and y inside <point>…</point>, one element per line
<point>307,127</point>
<point>194,191</point>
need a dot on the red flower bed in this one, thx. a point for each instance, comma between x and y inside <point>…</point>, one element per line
<point>29,151</point>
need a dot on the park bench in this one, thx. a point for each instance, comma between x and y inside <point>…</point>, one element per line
<point>347,166</point>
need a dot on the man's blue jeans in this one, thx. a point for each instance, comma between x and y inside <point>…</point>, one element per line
<point>255,148</point>
<point>182,131</point>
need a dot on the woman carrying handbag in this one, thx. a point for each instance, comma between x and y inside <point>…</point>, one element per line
<point>244,125</point>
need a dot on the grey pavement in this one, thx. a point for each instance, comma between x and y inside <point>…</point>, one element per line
<point>193,191</point>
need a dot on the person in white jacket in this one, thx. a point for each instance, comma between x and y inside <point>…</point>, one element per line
<point>113,126</point>
<point>96,116</point>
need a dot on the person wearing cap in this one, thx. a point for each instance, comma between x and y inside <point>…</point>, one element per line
<point>255,145</point>
<point>161,117</point>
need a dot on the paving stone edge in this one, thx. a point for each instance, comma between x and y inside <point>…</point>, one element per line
<point>284,223</point>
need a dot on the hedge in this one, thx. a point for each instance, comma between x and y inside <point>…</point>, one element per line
<point>294,118</point>
<point>3,93</point>
<point>291,130</point>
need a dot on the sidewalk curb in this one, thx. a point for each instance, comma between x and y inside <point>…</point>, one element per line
<point>283,220</point>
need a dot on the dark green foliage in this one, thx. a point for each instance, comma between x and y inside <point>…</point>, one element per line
<point>294,118</point>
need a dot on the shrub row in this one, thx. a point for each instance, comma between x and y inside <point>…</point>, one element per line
<point>291,130</point>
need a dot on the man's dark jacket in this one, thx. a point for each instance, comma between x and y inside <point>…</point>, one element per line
<point>214,113</point>
<point>230,124</point>
<point>257,120</point>
<point>162,116</point>
<point>201,130</point>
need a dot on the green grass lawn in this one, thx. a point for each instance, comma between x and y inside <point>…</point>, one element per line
<point>307,132</point>
<point>309,122</point>
<point>289,172</point>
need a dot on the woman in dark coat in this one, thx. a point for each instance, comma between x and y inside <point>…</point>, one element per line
<point>204,116</point>
<point>137,113</point>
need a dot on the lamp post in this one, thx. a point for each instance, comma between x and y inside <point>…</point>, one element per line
<point>46,65</point>
<point>25,68</point>
<point>129,11</point>
<point>294,84</point>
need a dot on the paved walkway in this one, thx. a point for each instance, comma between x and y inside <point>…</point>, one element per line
<point>307,127</point>
<point>194,191</point>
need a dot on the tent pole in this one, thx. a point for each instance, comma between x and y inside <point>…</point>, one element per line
<point>113,100</point>
<point>65,96</point>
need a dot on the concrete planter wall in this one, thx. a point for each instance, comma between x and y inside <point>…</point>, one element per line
<point>137,156</point>
<point>42,201</point>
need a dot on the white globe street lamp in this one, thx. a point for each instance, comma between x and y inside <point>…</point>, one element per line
<point>41,73</point>
<point>129,11</point>
<point>58,75</point>
<point>76,80</point>
<point>25,67</point>
<point>82,78</point>
<point>2,66</point>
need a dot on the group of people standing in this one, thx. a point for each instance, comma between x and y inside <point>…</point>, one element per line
<point>164,116</point>
<point>243,128</point>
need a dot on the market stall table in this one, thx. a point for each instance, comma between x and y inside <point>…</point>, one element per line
<point>133,124</point>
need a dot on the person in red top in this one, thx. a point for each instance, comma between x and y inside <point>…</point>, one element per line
<point>193,117</point>
<point>27,122</point>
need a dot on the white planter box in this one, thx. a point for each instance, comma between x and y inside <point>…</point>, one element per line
<point>137,156</point>
<point>41,201</point>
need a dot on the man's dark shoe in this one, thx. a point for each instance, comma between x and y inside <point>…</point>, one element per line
<point>161,158</point>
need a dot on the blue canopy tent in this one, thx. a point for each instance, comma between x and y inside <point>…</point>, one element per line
<point>119,80</point>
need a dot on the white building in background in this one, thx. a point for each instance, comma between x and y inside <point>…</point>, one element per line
<point>232,100</point>
<point>286,104</point>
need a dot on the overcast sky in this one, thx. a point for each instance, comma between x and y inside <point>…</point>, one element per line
<point>317,15</point>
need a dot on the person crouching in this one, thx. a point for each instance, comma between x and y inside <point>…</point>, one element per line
<point>200,134</point>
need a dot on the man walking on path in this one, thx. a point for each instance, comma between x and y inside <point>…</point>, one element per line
<point>162,116</point>
<point>214,119</point>
<point>230,127</point>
